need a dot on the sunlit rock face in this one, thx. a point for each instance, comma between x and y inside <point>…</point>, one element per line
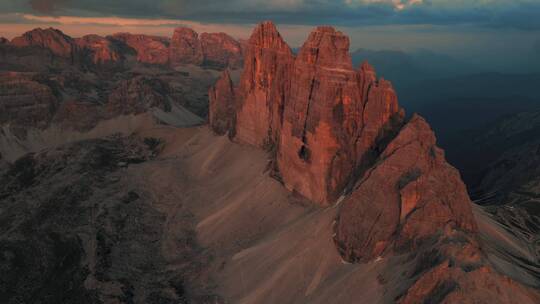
<point>147,49</point>
<point>320,116</point>
<point>332,119</point>
<point>57,42</point>
<point>221,50</point>
<point>404,199</point>
<point>100,50</point>
<point>264,87</point>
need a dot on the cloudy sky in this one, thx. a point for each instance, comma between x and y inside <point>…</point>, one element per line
<point>501,33</point>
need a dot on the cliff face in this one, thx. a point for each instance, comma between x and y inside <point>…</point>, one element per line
<point>100,49</point>
<point>185,47</point>
<point>57,42</point>
<point>337,135</point>
<point>148,49</point>
<point>264,87</point>
<point>320,115</point>
<point>221,101</point>
<point>333,117</point>
<point>221,50</point>
<point>409,194</point>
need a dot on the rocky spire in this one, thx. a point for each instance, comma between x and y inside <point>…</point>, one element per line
<point>221,116</point>
<point>317,113</point>
<point>330,117</point>
<point>264,87</point>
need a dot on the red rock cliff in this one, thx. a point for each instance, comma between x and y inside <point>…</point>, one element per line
<point>332,118</point>
<point>222,102</point>
<point>320,116</point>
<point>148,49</point>
<point>100,50</point>
<point>405,198</point>
<point>264,87</point>
<point>221,50</point>
<point>185,47</point>
<point>57,42</point>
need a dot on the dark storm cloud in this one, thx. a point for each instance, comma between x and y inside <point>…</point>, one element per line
<point>46,6</point>
<point>520,14</point>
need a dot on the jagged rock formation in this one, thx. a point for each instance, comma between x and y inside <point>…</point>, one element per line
<point>148,49</point>
<point>101,50</point>
<point>71,214</point>
<point>138,95</point>
<point>332,118</point>
<point>209,49</point>
<point>320,115</point>
<point>185,47</point>
<point>408,195</point>
<point>263,87</point>
<point>212,50</point>
<point>333,130</point>
<point>54,40</point>
<point>221,95</point>
<point>221,50</point>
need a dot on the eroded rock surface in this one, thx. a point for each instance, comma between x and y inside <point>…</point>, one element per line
<point>101,50</point>
<point>73,214</point>
<point>409,194</point>
<point>221,50</point>
<point>321,117</point>
<point>148,49</point>
<point>185,47</point>
<point>52,39</point>
<point>221,102</point>
<point>263,87</point>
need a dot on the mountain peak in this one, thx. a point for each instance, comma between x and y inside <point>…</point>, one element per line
<point>326,47</point>
<point>53,39</point>
<point>314,110</point>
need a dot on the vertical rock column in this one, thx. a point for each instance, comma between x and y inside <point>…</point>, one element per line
<point>264,87</point>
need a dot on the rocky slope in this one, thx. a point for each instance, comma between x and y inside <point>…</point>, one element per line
<point>68,237</point>
<point>508,178</point>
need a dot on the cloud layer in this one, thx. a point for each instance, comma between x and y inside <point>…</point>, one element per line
<point>518,14</point>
